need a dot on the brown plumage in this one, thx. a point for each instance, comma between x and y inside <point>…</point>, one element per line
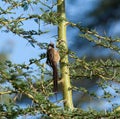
<point>52,60</point>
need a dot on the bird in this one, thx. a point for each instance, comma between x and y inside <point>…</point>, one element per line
<point>53,59</point>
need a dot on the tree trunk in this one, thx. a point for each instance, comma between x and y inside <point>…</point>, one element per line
<point>67,92</point>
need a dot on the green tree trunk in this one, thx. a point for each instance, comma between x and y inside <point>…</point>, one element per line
<point>67,94</point>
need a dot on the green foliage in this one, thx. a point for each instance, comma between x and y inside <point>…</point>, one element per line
<point>36,83</point>
<point>104,69</point>
<point>101,41</point>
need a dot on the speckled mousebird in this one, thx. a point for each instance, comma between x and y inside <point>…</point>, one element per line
<point>53,59</point>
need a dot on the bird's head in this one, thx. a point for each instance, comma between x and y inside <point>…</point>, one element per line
<point>51,45</point>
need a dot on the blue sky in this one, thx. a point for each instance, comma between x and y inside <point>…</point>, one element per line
<point>21,50</point>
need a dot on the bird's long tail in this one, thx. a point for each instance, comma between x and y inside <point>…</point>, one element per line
<point>55,77</point>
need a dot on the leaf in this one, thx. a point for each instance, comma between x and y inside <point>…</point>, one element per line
<point>25,6</point>
<point>36,20</point>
